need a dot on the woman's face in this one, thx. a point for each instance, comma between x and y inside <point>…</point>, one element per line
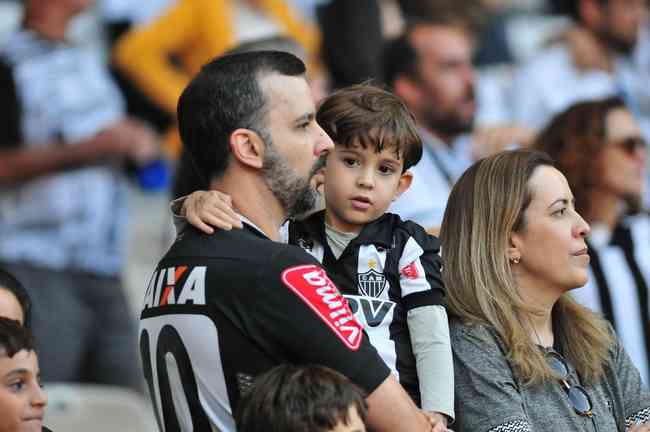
<point>22,400</point>
<point>623,158</point>
<point>551,245</point>
<point>10,307</point>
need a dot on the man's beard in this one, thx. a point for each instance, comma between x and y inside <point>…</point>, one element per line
<point>295,194</point>
<point>450,125</point>
<point>617,43</point>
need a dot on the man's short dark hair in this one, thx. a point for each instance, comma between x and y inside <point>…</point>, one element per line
<point>366,115</point>
<point>9,283</point>
<point>400,56</point>
<point>296,399</point>
<point>571,8</point>
<point>223,97</point>
<point>14,338</point>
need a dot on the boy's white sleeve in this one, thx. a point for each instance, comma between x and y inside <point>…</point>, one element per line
<point>284,232</point>
<point>429,329</point>
<point>180,222</point>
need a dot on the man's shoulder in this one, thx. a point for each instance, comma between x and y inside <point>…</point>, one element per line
<point>245,245</point>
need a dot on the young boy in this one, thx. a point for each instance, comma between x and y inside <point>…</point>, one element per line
<point>388,269</point>
<point>295,399</point>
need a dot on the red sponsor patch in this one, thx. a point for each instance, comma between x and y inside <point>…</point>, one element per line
<point>311,284</point>
<point>410,271</point>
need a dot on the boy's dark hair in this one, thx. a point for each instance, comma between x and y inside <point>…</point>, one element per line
<point>289,398</point>
<point>225,96</point>
<point>9,283</point>
<point>369,116</point>
<point>14,338</point>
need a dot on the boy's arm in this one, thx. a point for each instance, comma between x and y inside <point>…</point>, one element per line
<point>429,330</point>
<point>205,210</point>
<point>422,291</point>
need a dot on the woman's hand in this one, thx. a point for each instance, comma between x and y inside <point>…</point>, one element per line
<point>205,210</point>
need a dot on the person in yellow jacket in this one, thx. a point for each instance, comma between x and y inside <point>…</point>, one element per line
<point>192,32</point>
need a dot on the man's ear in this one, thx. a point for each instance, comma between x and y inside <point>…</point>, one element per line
<point>407,89</point>
<point>404,183</point>
<point>247,147</point>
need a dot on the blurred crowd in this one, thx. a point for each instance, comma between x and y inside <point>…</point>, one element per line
<point>89,92</point>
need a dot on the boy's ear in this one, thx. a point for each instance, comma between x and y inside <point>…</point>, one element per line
<point>403,184</point>
<point>247,147</point>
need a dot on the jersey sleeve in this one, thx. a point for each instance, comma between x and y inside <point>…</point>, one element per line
<point>487,395</point>
<point>419,269</point>
<point>310,320</point>
<point>429,331</point>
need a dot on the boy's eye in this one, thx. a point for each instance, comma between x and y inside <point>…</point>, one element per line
<point>385,169</point>
<point>350,162</point>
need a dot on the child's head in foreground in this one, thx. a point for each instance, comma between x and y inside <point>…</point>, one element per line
<point>296,399</point>
<point>22,400</point>
<point>375,142</point>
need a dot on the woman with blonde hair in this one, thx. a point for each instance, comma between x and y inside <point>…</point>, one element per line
<point>527,357</point>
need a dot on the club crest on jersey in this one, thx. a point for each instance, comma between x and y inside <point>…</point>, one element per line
<point>371,283</point>
<point>311,284</point>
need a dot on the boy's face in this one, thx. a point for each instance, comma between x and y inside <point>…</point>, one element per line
<point>22,400</point>
<point>355,424</point>
<point>360,184</point>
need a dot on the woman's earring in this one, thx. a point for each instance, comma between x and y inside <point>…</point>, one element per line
<point>515,260</point>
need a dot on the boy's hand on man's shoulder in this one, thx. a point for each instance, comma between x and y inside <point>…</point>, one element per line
<point>208,209</point>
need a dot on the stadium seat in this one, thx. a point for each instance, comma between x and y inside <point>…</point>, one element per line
<point>97,408</point>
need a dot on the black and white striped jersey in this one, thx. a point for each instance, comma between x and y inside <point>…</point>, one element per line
<point>221,309</point>
<point>393,266</point>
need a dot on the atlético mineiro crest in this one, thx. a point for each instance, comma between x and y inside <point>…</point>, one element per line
<point>371,283</point>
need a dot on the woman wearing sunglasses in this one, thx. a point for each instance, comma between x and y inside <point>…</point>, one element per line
<point>527,357</point>
<point>598,146</point>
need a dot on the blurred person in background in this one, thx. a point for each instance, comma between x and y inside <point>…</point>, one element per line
<point>527,357</point>
<point>592,60</point>
<point>353,34</point>
<point>160,57</point>
<point>118,17</point>
<point>62,206</point>
<point>599,147</point>
<point>430,68</point>
<point>22,399</point>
